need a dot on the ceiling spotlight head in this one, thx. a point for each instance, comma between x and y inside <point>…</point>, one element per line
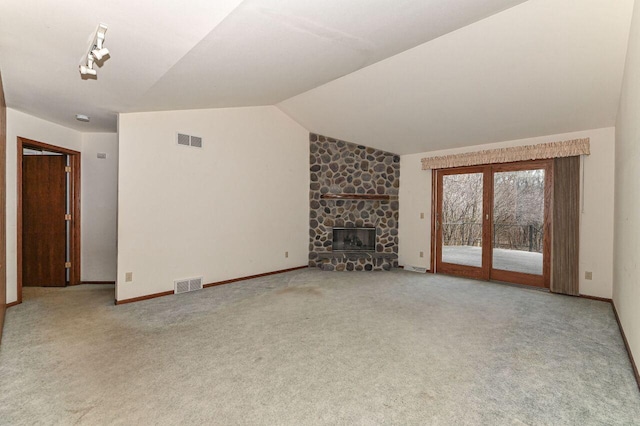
<point>97,52</point>
<point>100,53</point>
<point>102,28</point>
<point>82,117</point>
<point>87,70</point>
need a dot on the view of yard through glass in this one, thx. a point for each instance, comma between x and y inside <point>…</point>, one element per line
<point>518,218</point>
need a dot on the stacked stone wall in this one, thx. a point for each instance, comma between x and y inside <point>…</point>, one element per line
<point>339,167</point>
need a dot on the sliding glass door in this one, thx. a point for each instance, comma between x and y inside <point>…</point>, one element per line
<point>493,222</point>
<point>460,222</point>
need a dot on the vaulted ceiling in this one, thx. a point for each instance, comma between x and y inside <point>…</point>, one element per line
<point>403,75</point>
<point>541,68</point>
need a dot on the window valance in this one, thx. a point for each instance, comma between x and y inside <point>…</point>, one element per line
<point>508,155</point>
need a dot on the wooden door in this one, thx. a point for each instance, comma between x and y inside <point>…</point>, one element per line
<point>462,220</point>
<point>521,223</point>
<point>43,220</point>
<point>493,222</point>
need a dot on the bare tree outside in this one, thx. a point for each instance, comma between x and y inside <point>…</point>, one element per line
<point>462,210</point>
<point>518,210</point>
<point>462,219</point>
<point>518,219</point>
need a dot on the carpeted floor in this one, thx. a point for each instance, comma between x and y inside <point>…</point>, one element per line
<point>312,347</point>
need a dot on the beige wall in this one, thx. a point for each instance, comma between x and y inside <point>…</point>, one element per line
<point>3,188</point>
<point>228,210</point>
<point>626,288</point>
<point>99,206</point>
<point>596,240</point>
<point>27,126</point>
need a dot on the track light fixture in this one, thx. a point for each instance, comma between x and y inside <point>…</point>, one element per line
<point>97,51</point>
<point>88,69</point>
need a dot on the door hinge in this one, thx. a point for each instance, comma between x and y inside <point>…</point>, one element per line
<point>67,265</point>
<point>67,169</point>
<point>67,217</point>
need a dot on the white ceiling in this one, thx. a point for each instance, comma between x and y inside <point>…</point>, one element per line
<point>475,72</point>
<point>202,53</point>
<point>541,68</point>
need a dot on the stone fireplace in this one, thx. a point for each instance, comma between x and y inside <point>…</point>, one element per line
<point>353,200</point>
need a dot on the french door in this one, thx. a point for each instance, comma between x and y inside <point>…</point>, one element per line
<point>493,222</point>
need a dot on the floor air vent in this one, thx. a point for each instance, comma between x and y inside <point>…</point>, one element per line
<point>415,269</point>
<point>187,284</point>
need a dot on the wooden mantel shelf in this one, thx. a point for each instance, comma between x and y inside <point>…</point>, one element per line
<point>375,197</point>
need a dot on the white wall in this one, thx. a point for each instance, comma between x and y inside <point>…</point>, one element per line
<point>596,228</point>
<point>414,232</point>
<point>27,126</point>
<point>626,288</point>
<point>228,210</point>
<point>99,206</point>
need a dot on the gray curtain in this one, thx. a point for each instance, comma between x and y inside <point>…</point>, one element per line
<point>566,226</point>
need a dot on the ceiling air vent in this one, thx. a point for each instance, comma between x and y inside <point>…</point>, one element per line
<point>187,284</point>
<point>189,140</point>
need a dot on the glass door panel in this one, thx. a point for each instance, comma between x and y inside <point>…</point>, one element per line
<point>518,220</point>
<point>461,223</point>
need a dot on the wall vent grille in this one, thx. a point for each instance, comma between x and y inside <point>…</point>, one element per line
<point>415,269</point>
<point>189,140</point>
<point>187,284</point>
<point>195,284</point>
<point>196,141</point>
<point>183,139</point>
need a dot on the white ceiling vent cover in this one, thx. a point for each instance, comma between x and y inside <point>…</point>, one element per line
<point>187,284</point>
<point>188,140</point>
<point>415,269</point>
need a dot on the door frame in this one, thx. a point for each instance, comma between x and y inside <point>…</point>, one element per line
<point>520,277</point>
<point>490,274</point>
<point>75,237</point>
<point>482,272</point>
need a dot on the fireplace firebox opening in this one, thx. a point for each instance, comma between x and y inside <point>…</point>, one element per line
<point>354,239</point>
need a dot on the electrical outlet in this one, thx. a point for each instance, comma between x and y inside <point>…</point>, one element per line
<point>588,275</point>
<point>128,277</point>
<point>421,254</point>
<point>421,215</point>
<point>286,254</point>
